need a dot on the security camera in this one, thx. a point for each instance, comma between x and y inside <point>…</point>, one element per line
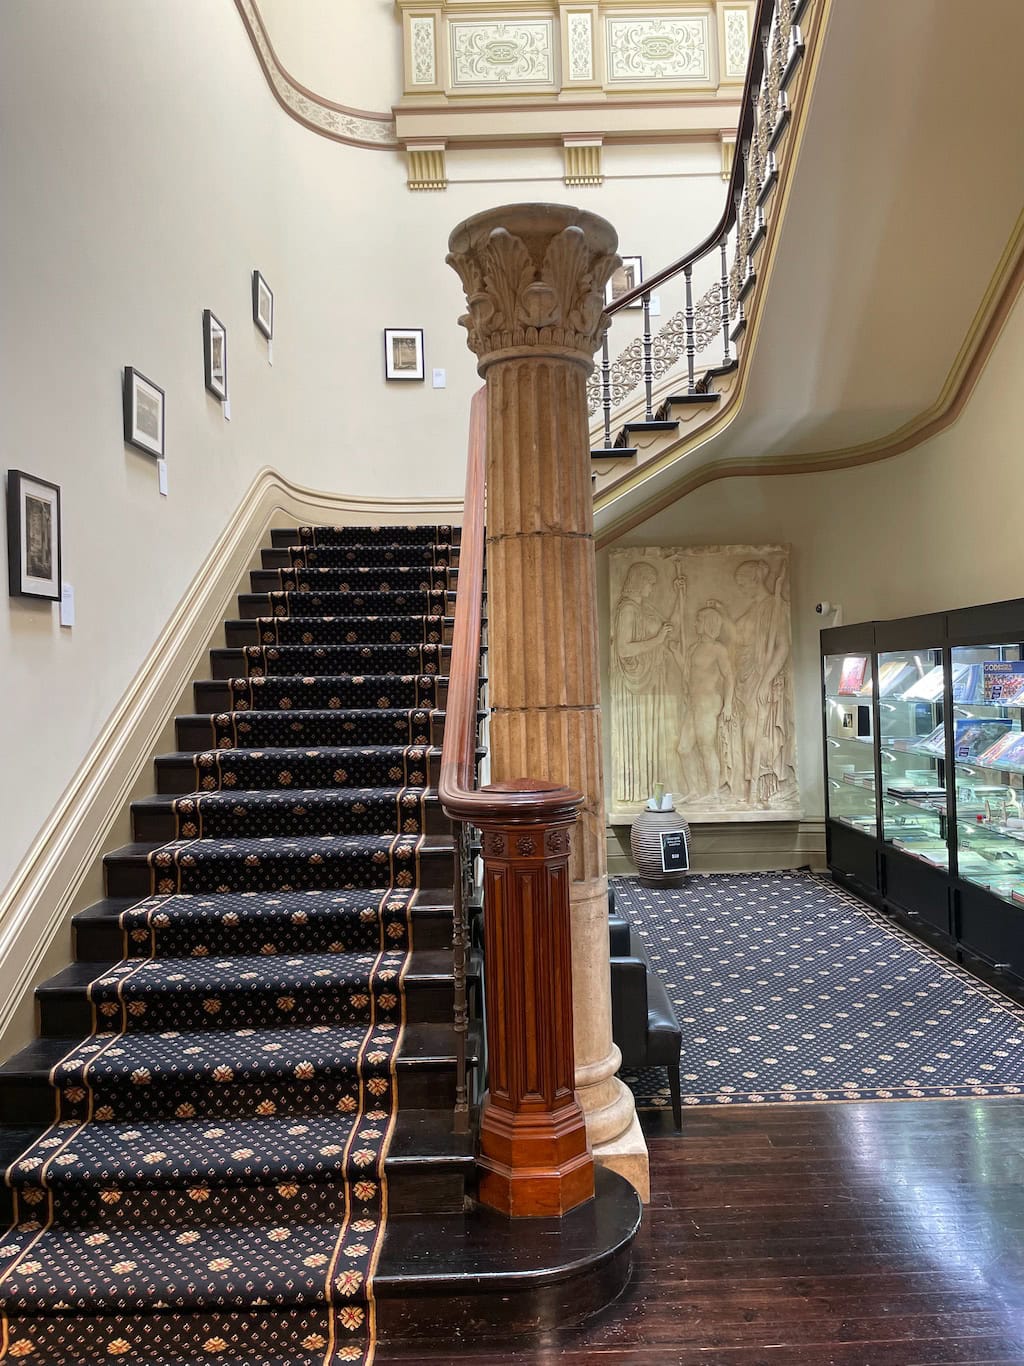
<point>822,608</point>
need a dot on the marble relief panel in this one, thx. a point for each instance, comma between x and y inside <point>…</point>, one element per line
<point>701,681</point>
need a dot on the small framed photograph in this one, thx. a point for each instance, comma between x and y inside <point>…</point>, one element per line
<point>33,536</point>
<point>262,305</point>
<point>215,355</point>
<point>403,353</point>
<point>143,413</point>
<point>627,277</point>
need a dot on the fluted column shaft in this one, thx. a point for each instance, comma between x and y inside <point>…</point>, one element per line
<point>534,277</point>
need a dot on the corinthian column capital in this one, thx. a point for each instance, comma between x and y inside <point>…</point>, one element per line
<point>534,276</point>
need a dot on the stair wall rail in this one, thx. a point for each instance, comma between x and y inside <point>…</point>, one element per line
<point>725,257</point>
<point>533,1157</point>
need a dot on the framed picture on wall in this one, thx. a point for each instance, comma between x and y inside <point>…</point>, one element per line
<point>403,353</point>
<point>215,355</point>
<point>143,413</point>
<point>627,277</point>
<point>262,305</point>
<point>33,536</point>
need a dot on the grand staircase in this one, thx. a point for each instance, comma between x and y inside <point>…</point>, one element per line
<point>250,1068</point>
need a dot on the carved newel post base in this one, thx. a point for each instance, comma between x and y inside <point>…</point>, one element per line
<point>535,277</point>
<point>534,1157</point>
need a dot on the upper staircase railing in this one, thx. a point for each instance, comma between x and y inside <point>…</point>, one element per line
<point>775,56</point>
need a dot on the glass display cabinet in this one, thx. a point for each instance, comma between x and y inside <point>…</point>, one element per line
<point>925,793</point>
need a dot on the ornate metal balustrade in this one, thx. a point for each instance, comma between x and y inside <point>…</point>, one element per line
<point>717,317</point>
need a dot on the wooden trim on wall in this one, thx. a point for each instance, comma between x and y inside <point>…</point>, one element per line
<point>62,870</point>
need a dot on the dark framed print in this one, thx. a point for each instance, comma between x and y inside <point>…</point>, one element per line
<point>262,305</point>
<point>627,277</point>
<point>403,353</point>
<point>215,355</point>
<point>33,536</point>
<point>143,413</point>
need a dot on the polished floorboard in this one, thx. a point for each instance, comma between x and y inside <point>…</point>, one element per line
<point>874,1234</point>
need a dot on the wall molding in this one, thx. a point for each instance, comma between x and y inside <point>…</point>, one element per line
<point>339,122</point>
<point>737,847</point>
<point>61,872</point>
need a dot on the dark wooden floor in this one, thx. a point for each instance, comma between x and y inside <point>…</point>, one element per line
<point>888,1234</point>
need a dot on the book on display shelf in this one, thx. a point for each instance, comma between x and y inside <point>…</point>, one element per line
<point>1007,751</point>
<point>851,678</point>
<point>972,736</point>
<point>1002,681</point>
<point>893,675</point>
<point>967,682</point>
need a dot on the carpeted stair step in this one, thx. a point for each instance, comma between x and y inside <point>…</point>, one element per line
<point>315,811</point>
<point>317,726</point>
<point>424,1070</point>
<point>360,557</point>
<point>340,630</point>
<point>322,862</point>
<point>207,1170</point>
<point>394,603</point>
<point>244,992</point>
<point>371,691</point>
<point>397,578</point>
<point>366,535</point>
<point>182,926</point>
<point>260,661</point>
<point>295,769</point>
<point>259,1336</point>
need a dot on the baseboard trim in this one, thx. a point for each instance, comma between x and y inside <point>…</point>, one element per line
<point>736,847</point>
<point>62,870</point>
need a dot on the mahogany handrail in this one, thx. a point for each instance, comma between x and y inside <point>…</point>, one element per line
<point>737,176</point>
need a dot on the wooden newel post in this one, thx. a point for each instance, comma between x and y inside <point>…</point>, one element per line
<point>534,1156</point>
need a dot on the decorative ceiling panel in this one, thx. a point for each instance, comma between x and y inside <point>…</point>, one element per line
<point>501,54</point>
<point>658,49</point>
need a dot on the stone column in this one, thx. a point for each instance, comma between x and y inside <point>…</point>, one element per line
<point>534,276</point>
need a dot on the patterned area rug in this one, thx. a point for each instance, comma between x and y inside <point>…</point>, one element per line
<point>212,1187</point>
<point>788,989</point>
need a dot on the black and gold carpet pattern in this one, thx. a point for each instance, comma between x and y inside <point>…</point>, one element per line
<point>212,1187</point>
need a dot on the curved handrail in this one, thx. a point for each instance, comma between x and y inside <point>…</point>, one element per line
<point>525,799</point>
<point>737,176</point>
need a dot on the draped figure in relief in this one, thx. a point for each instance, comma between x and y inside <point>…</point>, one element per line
<point>759,643</point>
<point>645,687</point>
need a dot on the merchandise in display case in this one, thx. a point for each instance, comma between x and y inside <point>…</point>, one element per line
<point>925,792</point>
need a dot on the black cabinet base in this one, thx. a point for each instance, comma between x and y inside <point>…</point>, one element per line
<point>917,890</point>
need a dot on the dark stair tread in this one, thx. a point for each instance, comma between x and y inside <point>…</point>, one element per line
<point>433,900</point>
<point>614,453</point>
<point>425,966</point>
<point>427,1044</point>
<point>481,1249</point>
<point>278,534</point>
<point>697,398</point>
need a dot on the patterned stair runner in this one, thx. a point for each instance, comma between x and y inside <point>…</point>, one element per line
<point>212,1187</point>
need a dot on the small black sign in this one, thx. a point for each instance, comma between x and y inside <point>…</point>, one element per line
<point>675,856</point>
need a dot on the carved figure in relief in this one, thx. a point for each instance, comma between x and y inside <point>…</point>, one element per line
<point>645,685</point>
<point>701,680</point>
<point>760,648</point>
<point>709,691</point>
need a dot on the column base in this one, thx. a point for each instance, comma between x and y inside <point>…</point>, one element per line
<point>627,1155</point>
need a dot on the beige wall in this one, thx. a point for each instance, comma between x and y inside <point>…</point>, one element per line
<point>936,528</point>
<point>147,169</point>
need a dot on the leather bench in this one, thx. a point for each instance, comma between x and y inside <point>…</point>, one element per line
<point>644,1024</point>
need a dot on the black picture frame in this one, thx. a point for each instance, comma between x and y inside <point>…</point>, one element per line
<point>215,368</point>
<point>33,537</point>
<point>403,354</point>
<point>262,305</point>
<point>144,413</point>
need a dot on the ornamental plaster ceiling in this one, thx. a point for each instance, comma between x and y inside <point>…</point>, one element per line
<point>901,237</point>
